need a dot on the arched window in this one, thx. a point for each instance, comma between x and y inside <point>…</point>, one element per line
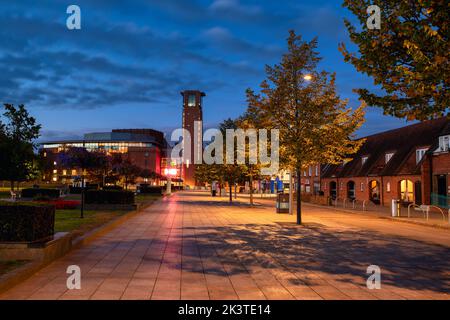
<point>406,190</point>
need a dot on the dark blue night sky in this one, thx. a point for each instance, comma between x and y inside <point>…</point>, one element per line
<point>129,62</point>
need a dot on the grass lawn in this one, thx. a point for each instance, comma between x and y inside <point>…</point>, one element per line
<point>69,220</point>
<point>144,198</point>
<point>7,266</point>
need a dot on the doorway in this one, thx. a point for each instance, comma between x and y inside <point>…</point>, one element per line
<point>333,190</point>
<point>351,190</point>
<point>418,193</point>
<point>442,190</point>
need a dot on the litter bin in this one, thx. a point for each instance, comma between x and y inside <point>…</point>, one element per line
<point>395,208</point>
<point>282,203</point>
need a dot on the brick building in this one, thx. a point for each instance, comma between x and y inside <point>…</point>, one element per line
<point>410,163</point>
<point>192,121</point>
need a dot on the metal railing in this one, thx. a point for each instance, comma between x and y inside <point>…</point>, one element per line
<point>426,210</point>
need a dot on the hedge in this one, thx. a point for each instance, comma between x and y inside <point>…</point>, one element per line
<point>109,197</point>
<point>26,222</point>
<point>112,188</point>
<point>35,192</point>
<point>77,190</point>
<point>150,189</point>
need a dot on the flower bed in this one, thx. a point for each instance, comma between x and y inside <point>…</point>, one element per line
<point>63,204</point>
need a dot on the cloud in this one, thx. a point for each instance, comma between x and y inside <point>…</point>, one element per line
<point>225,40</point>
<point>234,7</point>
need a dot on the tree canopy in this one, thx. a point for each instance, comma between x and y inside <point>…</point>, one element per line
<point>18,161</point>
<point>409,57</point>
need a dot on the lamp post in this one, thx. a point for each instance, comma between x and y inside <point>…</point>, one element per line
<point>307,77</point>
<point>82,187</point>
<point>169,173</point>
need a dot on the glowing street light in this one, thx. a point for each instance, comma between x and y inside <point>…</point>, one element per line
<point>307,77</point>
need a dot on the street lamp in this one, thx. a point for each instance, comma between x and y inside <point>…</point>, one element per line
<point>307,77</point>
<point>169,172</point>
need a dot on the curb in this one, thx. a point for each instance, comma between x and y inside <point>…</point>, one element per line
<point>13,278</point>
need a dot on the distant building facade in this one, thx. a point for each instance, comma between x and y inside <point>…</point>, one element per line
<point>143,147</point>
<point>411,164</point>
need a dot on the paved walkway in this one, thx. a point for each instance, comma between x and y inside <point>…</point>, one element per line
<point>193,246</point>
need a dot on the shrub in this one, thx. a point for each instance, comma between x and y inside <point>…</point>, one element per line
<point>35,192</point>
<point>150,189</point>
<point>109,197</point>
<point>112,188</point>
<point>77,190</point>
<point>26,222</point>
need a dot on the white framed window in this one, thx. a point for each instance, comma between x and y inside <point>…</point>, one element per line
<point>388,156</point>
<point>317,170</point>
<point>310,171</point>
<point>364,160</point>
<point>444,143</point>
<point>341,185</point>
<point>362,186</point>
<point>420,153</point>
<point>388,187</point>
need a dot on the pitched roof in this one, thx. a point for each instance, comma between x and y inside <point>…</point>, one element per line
<point>402,142</point>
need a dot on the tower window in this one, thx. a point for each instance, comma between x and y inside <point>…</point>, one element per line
<point>191,100</point>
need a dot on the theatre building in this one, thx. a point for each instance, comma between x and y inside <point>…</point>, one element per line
<point>143,147</point>
<point>411,164</point>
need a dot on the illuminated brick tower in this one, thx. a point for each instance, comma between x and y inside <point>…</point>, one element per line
<point>192,112</point>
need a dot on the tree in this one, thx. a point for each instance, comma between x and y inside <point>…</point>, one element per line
<point>409,56</point>
<point>125,169</point>
<point>315,125</point>
<point>221,172</point>
<point>250,120</point>
<point>149,174</point>
<point>17,135</point>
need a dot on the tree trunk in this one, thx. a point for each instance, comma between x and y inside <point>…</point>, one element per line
<point>231,192</point>
<point>299,200</point>
<point>251,190</point>
<point>235,190</point>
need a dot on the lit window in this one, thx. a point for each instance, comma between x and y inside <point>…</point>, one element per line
<point>364,160</point>
<point>45,154</point>
<point>64,172</point>
<point>54,163</point>
<point>55,171</point>
<point>406,190</point>
<point>420,153</point>
<point>191,100</point>
<point>388,156</point>
<point>74,172</point>
<point>388,187</point>
<point>317,170</point>
<point>362,186</point>
<point>54,178</point>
